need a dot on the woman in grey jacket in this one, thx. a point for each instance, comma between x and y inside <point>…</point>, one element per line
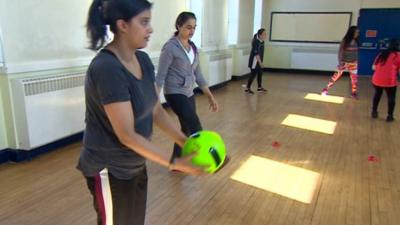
<point>178,70</point>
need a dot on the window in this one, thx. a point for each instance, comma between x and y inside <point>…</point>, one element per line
<point>233,21</point>
<point>257,15</point>
<point>196,6</point>
<point>1,51</point>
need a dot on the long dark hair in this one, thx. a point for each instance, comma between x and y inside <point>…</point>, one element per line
<point>384,55</point>
<point>258,34</point>
<point>107,12</point>
<point>181,19</point>
<point>349,36</point>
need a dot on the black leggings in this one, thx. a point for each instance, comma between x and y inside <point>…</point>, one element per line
<point>391,94</point>
<point>127,205</point>
<point>255,72</point>
<point>185,109</point>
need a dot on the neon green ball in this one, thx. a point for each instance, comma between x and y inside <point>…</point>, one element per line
<point>210,150</point>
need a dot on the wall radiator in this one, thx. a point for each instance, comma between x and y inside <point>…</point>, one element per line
<point>219,68</point>
<point>314,59</point>
<point>47,109</point>
<point>241,59</point>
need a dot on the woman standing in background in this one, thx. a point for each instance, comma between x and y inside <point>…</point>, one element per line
<point>178,71</point>
<point>256,61</point>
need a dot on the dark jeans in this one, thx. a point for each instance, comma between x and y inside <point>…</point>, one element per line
<point>255,72</point>
<point>391,95</point>
<point>128,198</point>
<point>185,109</point>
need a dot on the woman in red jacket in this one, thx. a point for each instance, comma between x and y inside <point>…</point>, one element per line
<point>386,66</point>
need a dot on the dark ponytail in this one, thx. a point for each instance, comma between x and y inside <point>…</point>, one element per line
<point>181,19</point>
<point>257,35</point>
<point>384,55</point>
<point>349,36</point>
<point>107,12</point>
<point>96,26</point>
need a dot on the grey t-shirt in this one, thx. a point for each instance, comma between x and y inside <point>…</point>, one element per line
<point>350,54</point>
<point>108,81</point>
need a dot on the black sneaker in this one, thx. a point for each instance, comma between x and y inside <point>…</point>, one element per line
<point>374,114</point>
<point>354,96</point>
<point>389,118</point>
<point>249,91</point>
<point>261,89</point>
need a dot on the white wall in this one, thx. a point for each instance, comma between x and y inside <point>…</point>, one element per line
<point>380,3</point>
<point>1,50</point>
<point>215,23</point>
<point>245,35</point>
<point>43,32</point>
<point>3,138</point>
<point>51,34</point>
<point>164,14</point>
<point>2,5</point>
<point>246,9</point>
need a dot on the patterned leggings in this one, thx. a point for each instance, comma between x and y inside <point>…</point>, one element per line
<point>352,69</point>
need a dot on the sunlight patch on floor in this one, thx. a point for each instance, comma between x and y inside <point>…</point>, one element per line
<point>289,181</point>
<point>325,98</point>
<point>309,123</point>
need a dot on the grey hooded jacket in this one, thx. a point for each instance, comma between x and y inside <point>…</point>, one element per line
<point>175,72</point>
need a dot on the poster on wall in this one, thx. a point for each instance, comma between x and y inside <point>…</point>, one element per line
<point>377,27</point>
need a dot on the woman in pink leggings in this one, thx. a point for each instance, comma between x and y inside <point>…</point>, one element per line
<point>348,57</point>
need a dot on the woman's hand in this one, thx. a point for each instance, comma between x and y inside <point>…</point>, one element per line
<point>213,104</point>
<point>184,164</point>
<point>211,100</point>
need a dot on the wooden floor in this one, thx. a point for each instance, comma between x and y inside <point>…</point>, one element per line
<point>352,190</point>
